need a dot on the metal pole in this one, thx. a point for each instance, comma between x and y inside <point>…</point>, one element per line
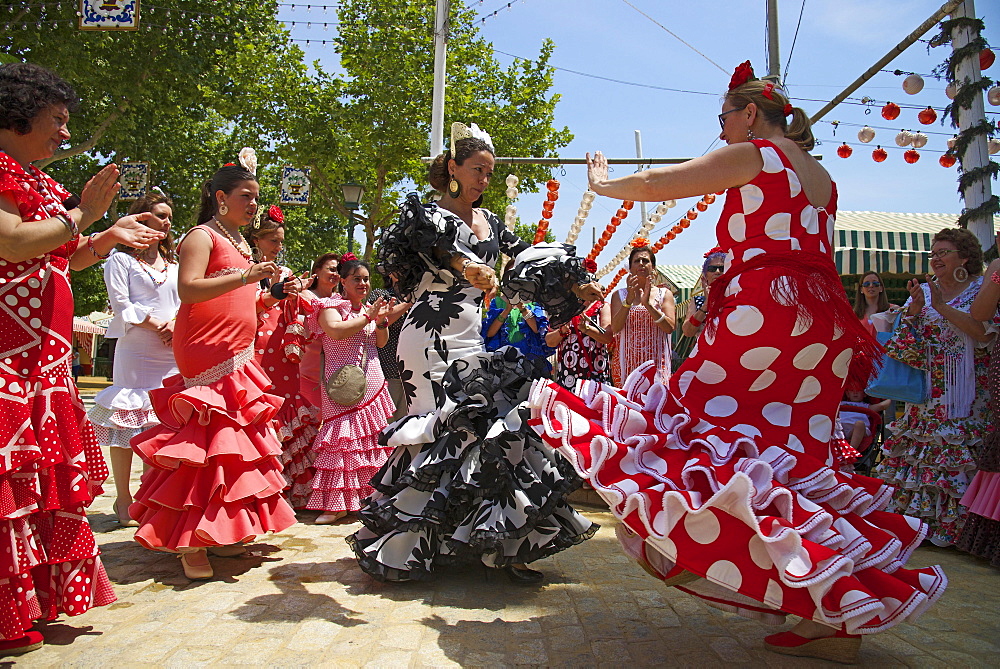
<point>773,52</point>
<point>976,155</point>
<point>441,28</point>
<point>638,154</point>
<point>350,231</point>
<point>945,9</point>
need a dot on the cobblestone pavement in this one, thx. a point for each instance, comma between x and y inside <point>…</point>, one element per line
<point>299,599</point>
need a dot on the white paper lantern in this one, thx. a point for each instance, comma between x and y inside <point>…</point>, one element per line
<point>913,84</point>
<point>866,134</point>
<point>662,208</point>
<point>904,138</point>
<point>589,195</point>
<point>951,90</point>
<point>586,205</point>
<point>655,218</point>
<point>951,142</point>
<point>511,181</point>
<point>993,96</point>
<point>511,193</point>
<point>670,204</point>
<point>919,140</point>
<point>993,145</point>
<point>511,210</point>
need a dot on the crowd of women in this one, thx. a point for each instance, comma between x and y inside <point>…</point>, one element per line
<point>249,392</point>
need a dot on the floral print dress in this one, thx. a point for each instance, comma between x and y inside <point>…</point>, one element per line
<point>930,450</point>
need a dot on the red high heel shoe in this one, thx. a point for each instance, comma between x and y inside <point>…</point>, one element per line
<point>841,647</point>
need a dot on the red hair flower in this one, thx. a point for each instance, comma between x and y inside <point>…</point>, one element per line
<point>787,110</point>
<point>743,74</point>
<point>639,242</point>
<point>275,214</point>
<point>713,251</point>
<point>347,257</point>
<point>590,265</point>
<point>230,165</point>
<point>768,91</point>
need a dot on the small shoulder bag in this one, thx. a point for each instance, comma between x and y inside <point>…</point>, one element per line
<point>346,386</point>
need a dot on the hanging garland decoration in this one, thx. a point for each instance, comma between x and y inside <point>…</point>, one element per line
<point>651,222</point>
<point>550,202</point>
<point>510,214</point>
<point>609,231</point>
<point>614,282</point>
<point>964,96</point>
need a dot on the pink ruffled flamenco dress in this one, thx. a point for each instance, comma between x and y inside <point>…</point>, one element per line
<point>724,478</point>
<point>51,467</point>
<point>348,452</point>
<point>214,477</point>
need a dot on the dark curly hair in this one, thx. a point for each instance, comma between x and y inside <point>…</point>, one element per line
<point>26,90</point>
<point>968,247</point>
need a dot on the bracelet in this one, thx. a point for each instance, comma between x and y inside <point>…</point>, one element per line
<point>90,245</point>
<point>465,266</point>
<point>245,275</point>
<point>383,325</point>
<point>995,277</point>
<point>70,224</point>
<point>368,319</point>
<point>694,321</point>
<point>663,317</point>
<point>627,305</point>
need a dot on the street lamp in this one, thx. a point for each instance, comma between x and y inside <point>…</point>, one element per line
<point>353,192</point>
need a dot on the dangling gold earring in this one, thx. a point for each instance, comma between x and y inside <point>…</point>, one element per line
<point>223,209</point>
<point>454,188</point>
<point>750,135</point>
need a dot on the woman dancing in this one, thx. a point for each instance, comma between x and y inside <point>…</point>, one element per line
<point>467,481</point>
<point>279,345</point>
<point>142,290</point>
<point>214,481</point>
<point>722,478</point>
<point>52,468</point>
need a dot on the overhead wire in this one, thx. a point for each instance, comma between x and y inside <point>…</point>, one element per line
<point>795,37</point>
<point>675,36</point>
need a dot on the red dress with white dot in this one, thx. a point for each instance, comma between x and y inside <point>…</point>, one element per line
<point>51,467</point>
<point>279,343</point>
<point>726,474</point>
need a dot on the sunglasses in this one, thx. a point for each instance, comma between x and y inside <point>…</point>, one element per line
<point>871,284</point>
<point>714,268</point>
<point>722,116</point>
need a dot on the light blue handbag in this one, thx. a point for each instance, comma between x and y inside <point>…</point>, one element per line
<point>896,380</point>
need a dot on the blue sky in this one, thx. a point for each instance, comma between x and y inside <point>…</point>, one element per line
<point>836,42</point>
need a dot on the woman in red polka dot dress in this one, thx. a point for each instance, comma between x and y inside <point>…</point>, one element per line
<point>279,346</point>
<point>51,467</point>
<point>723,478</point>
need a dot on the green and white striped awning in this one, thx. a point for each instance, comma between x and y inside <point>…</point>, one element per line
<point>886,242</point>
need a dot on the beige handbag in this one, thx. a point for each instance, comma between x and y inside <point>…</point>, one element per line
<point>347,385</point>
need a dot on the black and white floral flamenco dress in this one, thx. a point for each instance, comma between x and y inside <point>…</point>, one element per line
<point>468,480</point>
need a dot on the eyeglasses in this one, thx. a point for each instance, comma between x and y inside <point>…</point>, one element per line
<point>871,284</point>
<point>722,116</point>
<point>940,253</point>
<point>714,268</point>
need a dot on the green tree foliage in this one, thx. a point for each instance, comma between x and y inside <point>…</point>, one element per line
<point>371,124</point>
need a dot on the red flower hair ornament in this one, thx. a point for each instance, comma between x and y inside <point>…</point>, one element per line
<point>590,265</point>
<point>743,74</point>
<point>346,258</point>
<point>787,110</point>
<point>639,242</point>
<point>713,251</point>
<point>275,214</point>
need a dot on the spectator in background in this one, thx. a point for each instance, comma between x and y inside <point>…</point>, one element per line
<point>325,284</point>
<point>929,453</point>
<point>387,353</point>
<point>870,299</point>
<point>697,311</point>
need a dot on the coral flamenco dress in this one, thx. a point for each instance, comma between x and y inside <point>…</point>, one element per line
<point>279,345</point>
<point>51,467</point>
<point>214,477</point>
<point>724,478</point>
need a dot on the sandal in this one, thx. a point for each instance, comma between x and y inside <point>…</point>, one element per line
<point>841,647</point>
<point>31,640</point>
<point>329,517</point>
<point>197,572</point>
<point>124,520</point>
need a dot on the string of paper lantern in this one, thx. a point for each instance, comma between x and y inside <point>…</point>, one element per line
<point>609,231</point>
<point>547,206</point>
<point>652,220</point>
<point>510,214</point>
<point>614,282</point>
<point>685,222</point>
<point>586,202</point>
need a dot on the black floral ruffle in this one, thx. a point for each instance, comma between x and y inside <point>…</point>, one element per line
<point>546,273</point>
<point>408,244</point>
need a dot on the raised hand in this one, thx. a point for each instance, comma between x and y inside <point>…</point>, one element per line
<point>97,195</point>
<point>917,293</point>
<point>128,230</point>
<point>597,170</point>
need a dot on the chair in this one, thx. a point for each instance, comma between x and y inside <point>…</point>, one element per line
<point>870,446</point>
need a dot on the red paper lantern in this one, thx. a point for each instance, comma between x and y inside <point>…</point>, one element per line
<point>911,156</point>
<point>701,206</point>
<point>615,222</point>
<point>677,229</point>
<point>844,151</point>
<point>890,111</point>
<point>986,58</point>
<point>605,236</point>
<point>628,204</point>
<point>546,213</point>
<point>691,214</point>
<point>552,185</point>
<point>552,196</point>
<point>548,205</point>
<point>927,116</point>
<point>670,235</point>
<point>709,199</point>
<point>879,154</point>
<point>947,160</point>
<point>621,213</point>
<point>663,240</point>
<point>684,223</point>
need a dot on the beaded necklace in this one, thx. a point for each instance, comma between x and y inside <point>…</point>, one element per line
<point>146,267</point>
<point>248,256</point>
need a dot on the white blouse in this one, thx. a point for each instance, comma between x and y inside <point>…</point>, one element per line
<point>137,291</point>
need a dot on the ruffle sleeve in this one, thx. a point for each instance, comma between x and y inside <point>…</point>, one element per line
<point>342,306</point>
<point>21,194</point>
<point>546,273</point>
<point>422,239</point>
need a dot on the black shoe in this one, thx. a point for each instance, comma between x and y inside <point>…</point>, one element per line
<point>523,575</point>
